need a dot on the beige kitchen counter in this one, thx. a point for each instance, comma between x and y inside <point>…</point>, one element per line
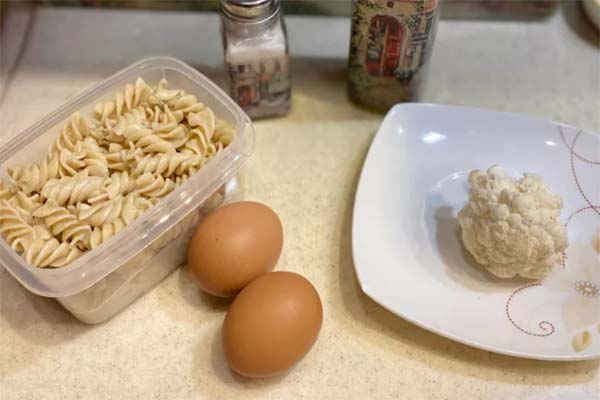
<point>167,344</point>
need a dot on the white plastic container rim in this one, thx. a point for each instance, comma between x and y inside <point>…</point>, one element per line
<point>96,264</point>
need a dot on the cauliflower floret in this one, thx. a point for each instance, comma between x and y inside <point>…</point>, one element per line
<point>512,227</point>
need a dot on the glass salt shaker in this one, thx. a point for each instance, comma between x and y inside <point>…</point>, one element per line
<point>256,56</point>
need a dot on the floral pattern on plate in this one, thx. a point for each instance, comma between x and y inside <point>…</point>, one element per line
<point>579,277</point>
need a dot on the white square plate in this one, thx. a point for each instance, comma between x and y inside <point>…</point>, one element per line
<point>406,240</point>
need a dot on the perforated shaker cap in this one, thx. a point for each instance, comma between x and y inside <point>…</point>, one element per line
<point>249,10</point>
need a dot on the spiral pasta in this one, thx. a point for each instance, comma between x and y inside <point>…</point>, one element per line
<point>214,149</point>
<point>186,103</point>
<point>204,121</point>
<point>63,224</point>
<point>120,158</point>
<point>131,97</point>
<point>153,115</point>
<point>106,231</point>
<point>163,93</point>
<point>93,157</point>
<point>25,204</point>
<point>72,190</point>
<point>150,185</point>
<point>134,206</point>
<point>168,164</point>
<point>13,227</point>
<point>196,143</point>
<point>118,184</point>
<point>21,244</point>
<point>50,253</point>
<point>7,190</point>
<point>76,130</point>
<point>172,132</point>
<point>31,178</point>
<point>224,133</point>
<point>157,116</point>
<point>103,172</point>
<point>169,116</point>
<point>101,212</point>
<point>138,116</point>
<point>70,164</point>
<point>179,179</point>
<point>146,140</point>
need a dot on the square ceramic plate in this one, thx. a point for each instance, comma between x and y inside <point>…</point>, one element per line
<point>406,240</point>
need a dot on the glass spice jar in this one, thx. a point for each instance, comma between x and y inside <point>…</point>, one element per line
<point>390,44</point>
<point>256,56</point>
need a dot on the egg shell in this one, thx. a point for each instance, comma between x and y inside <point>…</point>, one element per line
<point>271,324</point>
<point>234,245</point>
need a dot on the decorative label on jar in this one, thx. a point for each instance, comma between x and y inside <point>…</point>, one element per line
<point>261,86</point>
<point>391,41</point>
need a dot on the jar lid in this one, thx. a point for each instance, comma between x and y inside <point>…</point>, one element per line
<point>249,10</point>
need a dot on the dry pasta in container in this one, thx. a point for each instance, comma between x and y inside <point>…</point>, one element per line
<point>98,200</point>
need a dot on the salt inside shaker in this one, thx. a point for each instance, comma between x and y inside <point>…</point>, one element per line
<point>256,56</point>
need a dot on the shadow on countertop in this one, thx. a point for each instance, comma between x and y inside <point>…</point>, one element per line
<point>578,21</point>
<point>38,320</point>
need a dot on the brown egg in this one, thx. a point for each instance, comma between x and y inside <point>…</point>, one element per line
<point>233,246</point>
<point>271,324</point>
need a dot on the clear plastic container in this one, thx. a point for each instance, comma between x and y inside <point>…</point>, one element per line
<point>105,280</point>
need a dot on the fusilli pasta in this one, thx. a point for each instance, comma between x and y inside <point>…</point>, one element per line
<point>103,172</point>
<point>163,93</point>
<point>102,212</point>
<point>124,101</point>
<point>31,178</point>
<point>204,121</point>
<point>7,190</point>
<point>50,253</point>
<point>168,164</point>
<point>120,158</point>
<point>72,190</point>
<point>75,131</point>
<point>186,103</point>
<point>63,224</point>
<point>224,133</point>
<point>172,132</point>
<point>106,231</point>
<point>25,204</point>
<point>149,185</point>
<point>146,140</point>
<point>70,164</point>
<point>196,143</point>
<point>93,157</point>
<point>118,184</point>
<point>13,227</point>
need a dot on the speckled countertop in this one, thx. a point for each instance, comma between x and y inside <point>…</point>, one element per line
<point>166,345</point>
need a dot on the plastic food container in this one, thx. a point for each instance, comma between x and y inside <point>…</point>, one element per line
<point>105,280</point>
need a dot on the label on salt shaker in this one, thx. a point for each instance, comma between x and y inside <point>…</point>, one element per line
<point>261,88</point>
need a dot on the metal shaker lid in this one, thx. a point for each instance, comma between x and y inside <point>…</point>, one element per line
<point>249,10</point>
